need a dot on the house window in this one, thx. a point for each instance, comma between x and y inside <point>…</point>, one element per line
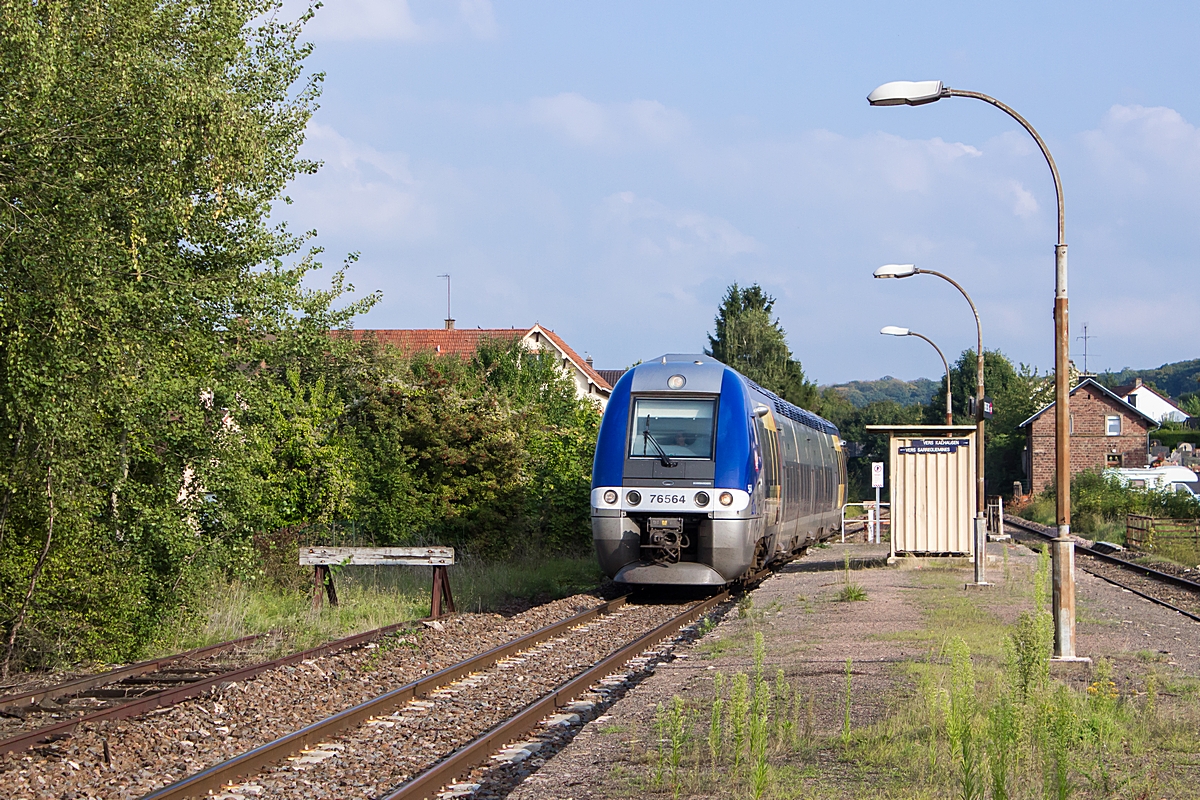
<point>1112,426</point>
<point>1112,460</point>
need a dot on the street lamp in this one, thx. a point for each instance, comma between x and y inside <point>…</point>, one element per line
<point>907,271</point>
<point>916,93</point>
<point>892,330</point>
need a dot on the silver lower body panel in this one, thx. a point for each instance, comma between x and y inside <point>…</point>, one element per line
<point>725,552</point>
<point>683,573</point>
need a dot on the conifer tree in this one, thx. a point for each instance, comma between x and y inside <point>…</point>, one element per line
<point>749,340</point>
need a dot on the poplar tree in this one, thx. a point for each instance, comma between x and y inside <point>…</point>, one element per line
<point>144,294</point>
<point>748,339</point>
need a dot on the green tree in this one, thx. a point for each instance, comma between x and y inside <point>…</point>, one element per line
<point>493,455</point>
<point>749,340</point>
<point>144,297</point>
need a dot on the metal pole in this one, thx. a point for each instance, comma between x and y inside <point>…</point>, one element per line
<point>980,495</point>
<point>946,366</point>
<point>1064,573</point>
<point>878,518</point>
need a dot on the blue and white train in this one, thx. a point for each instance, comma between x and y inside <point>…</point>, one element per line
<point>702,476</point>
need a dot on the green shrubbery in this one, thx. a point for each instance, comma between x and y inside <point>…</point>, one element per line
<point>1100,503</point>
<point>173,409</point>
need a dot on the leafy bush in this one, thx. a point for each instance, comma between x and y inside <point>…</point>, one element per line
<point>1098,500</point>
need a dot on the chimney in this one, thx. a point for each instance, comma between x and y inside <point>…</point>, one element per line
<point>589,361</point>
<point>449,324</point>
<point>1137,382</point>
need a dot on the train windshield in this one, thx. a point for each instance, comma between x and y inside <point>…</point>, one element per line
<point>680,428</point>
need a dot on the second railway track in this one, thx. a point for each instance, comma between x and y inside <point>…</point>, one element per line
<point>1161,587</point>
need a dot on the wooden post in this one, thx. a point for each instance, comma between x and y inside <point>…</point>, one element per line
<point>442,599</point>
<point>323,584</point>
<point>318,586</point>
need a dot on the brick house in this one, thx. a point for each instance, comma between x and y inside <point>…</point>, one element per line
<point>463,342</point>
<point>1105,432</point>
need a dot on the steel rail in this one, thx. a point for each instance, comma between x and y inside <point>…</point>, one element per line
<point>79,685</point>
<point>429,782</point>
<point>251,761</point>
<point>174,695</point>
<point>1148,572</point>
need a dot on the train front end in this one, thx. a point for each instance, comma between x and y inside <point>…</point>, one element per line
<point>675,495</point>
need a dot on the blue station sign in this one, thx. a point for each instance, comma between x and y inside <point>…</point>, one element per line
<point>933,446</point>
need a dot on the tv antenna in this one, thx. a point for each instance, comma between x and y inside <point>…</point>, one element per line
<point>1085,338</point>
<point>449,319</point>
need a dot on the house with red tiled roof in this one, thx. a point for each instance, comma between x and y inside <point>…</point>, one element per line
<point>463,342</point>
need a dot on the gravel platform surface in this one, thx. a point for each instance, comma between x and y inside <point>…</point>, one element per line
<point>810,635</point>
<point>129,758</point>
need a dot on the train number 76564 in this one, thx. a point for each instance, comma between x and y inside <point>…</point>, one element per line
<point>666,498</point>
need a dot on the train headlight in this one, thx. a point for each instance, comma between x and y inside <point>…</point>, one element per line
<point>634,498</point>
<point>726,498</point>
<point>676,382</point>
<point>610,497</point>
<point>702,499</point>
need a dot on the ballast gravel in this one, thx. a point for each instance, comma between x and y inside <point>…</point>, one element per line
<point>129,758</point>
<point>385,752</point>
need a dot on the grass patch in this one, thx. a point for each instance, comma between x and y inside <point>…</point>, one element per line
<point>852,593</point>
<point>370,597</point>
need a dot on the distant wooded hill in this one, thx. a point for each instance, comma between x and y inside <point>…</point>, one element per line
<point>906,393</point>
<point>1180,378</point>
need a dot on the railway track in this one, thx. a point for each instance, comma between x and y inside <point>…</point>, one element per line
<point>1164,588</point>
<point>52,713</point>
<point>415,739</point>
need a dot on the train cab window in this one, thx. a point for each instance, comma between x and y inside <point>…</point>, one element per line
<point>681,428</point>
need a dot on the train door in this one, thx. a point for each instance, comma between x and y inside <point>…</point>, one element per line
<point>791,483</point>
<point>768,437</point>
<point>839,462</point>
<point>812,464</point>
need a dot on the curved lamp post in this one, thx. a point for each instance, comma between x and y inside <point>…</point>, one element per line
<point>892,330</point>
<point>907,271</point>
<point>916,93</point>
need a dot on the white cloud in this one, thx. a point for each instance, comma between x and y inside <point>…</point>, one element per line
<point>361,190</point>
<point>650,229</point>
<point>479,17</point>
<point>1144,145</point>
<point>367,19</point>
<point>393,20</point>
<point>1025,204</point>
<point>611,125</point>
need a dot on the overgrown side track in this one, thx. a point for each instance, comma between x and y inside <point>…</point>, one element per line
<point>31,711</point>
<point>469,710</point>
<point>1164,588</point>
<point>145,686</point>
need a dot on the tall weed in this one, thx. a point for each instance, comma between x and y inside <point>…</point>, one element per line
<point>960,727</point>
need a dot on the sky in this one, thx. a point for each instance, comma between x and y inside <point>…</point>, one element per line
<point>608,169</point>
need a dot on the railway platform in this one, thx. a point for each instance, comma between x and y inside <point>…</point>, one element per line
<point>815,636</point>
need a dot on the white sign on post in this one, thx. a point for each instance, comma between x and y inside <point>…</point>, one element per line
<point>876,474</point>
<point>876,484</point>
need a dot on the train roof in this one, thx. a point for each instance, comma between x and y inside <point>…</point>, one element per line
<point>703,374</point>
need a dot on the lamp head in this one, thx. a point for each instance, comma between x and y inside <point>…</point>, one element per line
<point>892,330</point>
<point>896,271</point>
<point>907,93</point>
